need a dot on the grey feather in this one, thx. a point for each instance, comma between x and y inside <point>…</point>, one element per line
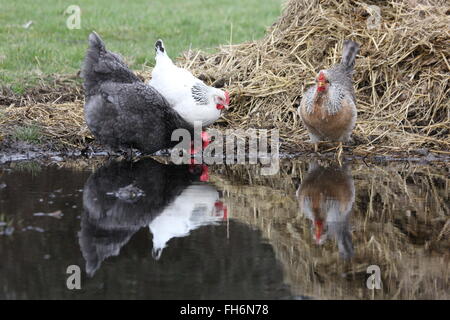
<point>101,65</point>
<point>349,53</point>
<point>199,93</point>
<point>122,111</point>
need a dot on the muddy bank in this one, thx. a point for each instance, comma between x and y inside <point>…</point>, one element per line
<point>61,132</point>
<point>12,151</point>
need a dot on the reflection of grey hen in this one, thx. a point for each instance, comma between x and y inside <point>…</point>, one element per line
<point>108,221</point>
<point>326,197</point>
<point>122,111</point>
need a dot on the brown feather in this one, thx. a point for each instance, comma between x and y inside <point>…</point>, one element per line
<point>326,126</point>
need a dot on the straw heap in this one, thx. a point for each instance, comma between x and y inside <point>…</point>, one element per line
<point>401,76</point>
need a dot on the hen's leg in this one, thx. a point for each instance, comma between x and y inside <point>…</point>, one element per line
<point>340,149</point>
<point>314,140</point>
<point>128,153</point>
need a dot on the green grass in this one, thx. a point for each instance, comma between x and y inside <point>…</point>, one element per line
<point>30,134</point>
<point>130,28</point>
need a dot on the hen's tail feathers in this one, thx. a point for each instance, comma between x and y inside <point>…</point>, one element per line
<point>159,47</point>
<point>349,53</point>
<point>101,65</point>
<point>96,42</point>
<point>92,58</point>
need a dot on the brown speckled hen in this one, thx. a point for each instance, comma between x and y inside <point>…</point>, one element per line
<point>328,109</point>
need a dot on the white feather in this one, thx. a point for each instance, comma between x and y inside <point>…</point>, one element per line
<point>175,84</point>
<point>193,208</point>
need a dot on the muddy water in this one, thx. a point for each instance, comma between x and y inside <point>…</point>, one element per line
<point>150,230</point>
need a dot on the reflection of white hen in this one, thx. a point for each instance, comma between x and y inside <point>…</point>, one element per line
<point>196,206</point>
<point>188,95</point>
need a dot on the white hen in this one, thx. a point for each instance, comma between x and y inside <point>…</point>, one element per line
<point>188,95</point>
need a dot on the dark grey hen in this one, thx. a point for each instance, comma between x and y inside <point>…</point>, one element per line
<point>121,111</point>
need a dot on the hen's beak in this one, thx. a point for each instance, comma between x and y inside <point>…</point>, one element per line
<point>318,230</point>
<point>321,82</point>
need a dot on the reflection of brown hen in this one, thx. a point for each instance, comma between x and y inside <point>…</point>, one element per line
<point>326,197</point>
<point>327,184</point>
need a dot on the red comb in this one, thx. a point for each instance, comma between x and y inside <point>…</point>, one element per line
<point>321,76</point>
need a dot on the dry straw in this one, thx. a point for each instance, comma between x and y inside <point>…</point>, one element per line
<point>401,77</point>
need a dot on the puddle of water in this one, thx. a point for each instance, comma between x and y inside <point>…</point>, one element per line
<point>148,230</point>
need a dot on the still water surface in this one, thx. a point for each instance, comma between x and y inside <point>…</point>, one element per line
<point>149,230</point>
